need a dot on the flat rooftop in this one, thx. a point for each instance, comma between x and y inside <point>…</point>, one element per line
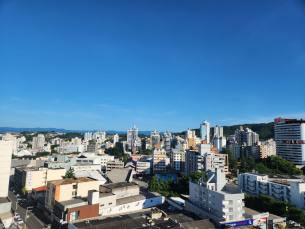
<point>109,187</point>
<point>249,212</point>
<point>71,181</point>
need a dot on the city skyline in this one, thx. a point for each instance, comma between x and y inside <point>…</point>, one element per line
<point>154,64</point>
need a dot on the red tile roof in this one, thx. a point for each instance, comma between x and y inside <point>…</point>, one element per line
<point>41,189</point>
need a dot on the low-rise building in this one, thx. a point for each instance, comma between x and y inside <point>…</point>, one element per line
<point>35,177</point>
<point>86,167</point>
<point>280,187</point>
<point>114,165</point>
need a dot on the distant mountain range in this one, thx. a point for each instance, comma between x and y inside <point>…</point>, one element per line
<point>265,130</point>
<point>15,130</point>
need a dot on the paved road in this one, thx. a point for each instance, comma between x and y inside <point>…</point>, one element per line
<point>32,222</point>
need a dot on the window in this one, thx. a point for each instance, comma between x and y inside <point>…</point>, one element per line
<point>230,202</point>
<point>230,209</point>
<point>110,203</point>
<point>102,205</point>
<point>230,217</point>
<point>74,216</point>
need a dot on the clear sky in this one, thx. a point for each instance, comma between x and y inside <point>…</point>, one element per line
<point>165,65</point>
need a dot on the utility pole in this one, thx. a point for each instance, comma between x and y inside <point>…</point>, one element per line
<point>30,208</point>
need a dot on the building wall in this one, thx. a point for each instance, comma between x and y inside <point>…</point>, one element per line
<point>133,206</point>
<point>6,148</point>
<point>83,188</point>
<point>106,202</point>
<point>85,212</point>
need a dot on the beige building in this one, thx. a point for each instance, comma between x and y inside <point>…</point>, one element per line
<point>267,148</point>
<point>67,189</point>
<point>177,160</point>
<point>38,142</point>
<point>159,161</point>
<point>36,177</point>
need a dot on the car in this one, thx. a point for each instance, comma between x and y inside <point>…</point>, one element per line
<point>171,208</point>
<point>17,215</point>
<point>19,221</point>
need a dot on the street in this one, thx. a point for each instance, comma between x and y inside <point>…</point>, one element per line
<point>32,222</point>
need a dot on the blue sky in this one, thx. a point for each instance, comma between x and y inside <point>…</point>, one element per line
<point>165,65</point>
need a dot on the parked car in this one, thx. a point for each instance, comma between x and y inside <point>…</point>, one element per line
<point>17,215</point>
<point>19,221</point>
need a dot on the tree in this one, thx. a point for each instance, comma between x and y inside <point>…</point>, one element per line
<point>69,174</point>
<point>184,181</point>
<point>53,151</point>
<point>148,152</point>
<point>24,191</point>
<point>153,184</point>
<point>13,156</point>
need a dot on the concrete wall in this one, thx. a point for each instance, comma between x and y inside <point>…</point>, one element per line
<point>126,191</point>
<point>65,192</point>
<point>105,202</point>
<point>5,207</point>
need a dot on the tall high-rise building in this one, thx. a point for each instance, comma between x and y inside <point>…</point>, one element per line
<point>115,139</point>
<point>290,139</point>
<point>6,148</point>
<point>133,140</point>
<point>88,136</point>
<point>205,132</point>
<point>219,142</point>
<point>246,136</point>
<point>99,135</point>
<point>38,142</point>
<point>76,141</point>
<point>167,138</point>
<point>217,130</point>
<point>154,139</point>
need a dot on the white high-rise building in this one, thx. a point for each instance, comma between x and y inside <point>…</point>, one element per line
<point>290,139</point>
<point>154,139</point>
<point>217,130</point>
<point>115,139</point>
<point>133,140</point>
<point>88,136</point>
<point>38,142</point>
<point>10,137</point>
<point>219,142</point>
<point>246,136</point>
<point>205,132</point>
<point>6,149</point>
<point>167,138</point>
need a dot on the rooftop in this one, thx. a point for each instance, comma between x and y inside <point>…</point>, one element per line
<point>71,181</point>
<point>109,187</point>
<point>249,212</point>
<point>41,189</point>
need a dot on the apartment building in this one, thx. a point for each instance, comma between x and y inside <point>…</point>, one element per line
<point>38,142</point>
<point>267,148</point>
<point>177,160</point>
<point>167,139</point>
<point>235,148</point>
<point>133,141</point>
<point>219,142</point>
<point>36,177</point>
<point>114,165</point>
<point>159,161</point>
<point>246,136</point>
<point>87,158</point>
<point>205,132</point>
<point>217,131</point>
<point>154,139</point>
<point>115,139</point>
<point>203,160</point>
<point>12,138</point>
<point>72,148</point>
<point>143,167</point>
<point>280,187</point>
<point>61,161</point>
<point>290,139</point>
<point>92,147</point>
<point>214,199</point>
